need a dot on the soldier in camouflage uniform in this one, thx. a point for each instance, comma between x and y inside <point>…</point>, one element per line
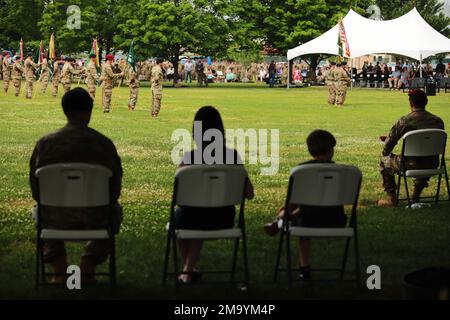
<point>56,76</point>
<point>390,164</point>
<point>77,143</point>
<point>6,70</point>
<point>45,73</point>
<point>67,73</point>
<point>1,65</point>
<point>30,68</point>
<point>342,81</point>
<point>157,88</point>
<point>17,72</point>
<point>133,83</point>
<point>91,75</point>
<point>331,84</point>
<point>108,77</point>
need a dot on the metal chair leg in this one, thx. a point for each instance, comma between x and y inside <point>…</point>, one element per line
<point>407,193</point>
<point>344,262</point>
<point>245,253</point>
<point>175,260</point>
<point>289,259</point>
<point>280,249</point>
<point>438,189</point>
<point>235,256</point>
<point>166,259</point>
<point>357,261</point>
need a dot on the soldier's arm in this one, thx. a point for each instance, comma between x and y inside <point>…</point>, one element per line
<point>33,168</point>
<point>395,135</point>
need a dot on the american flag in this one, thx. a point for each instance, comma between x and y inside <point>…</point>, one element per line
<point>343,41</point>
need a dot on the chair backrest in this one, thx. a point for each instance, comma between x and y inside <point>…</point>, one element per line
<point>74,185</point>
<point>424,143</point>
<point>418,82</point>
<point>207,186</point>
<point>325,185</point>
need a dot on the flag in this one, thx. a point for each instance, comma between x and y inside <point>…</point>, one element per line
<point>41,51</point>
<point>344,48</point>
<point>37,56</point>
<point>131,58</point>
<point>51,48</point>
<point>19,52</point>
<point>94,50</point>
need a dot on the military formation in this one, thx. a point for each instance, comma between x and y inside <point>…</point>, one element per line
<point>66,71</point>
<point>337,81</point>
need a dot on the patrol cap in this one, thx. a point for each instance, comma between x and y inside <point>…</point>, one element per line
<point>344,63</point>
<point>93,55</point>
<point>333,63</point>
<point>339,64</point>
<point>29,54</point>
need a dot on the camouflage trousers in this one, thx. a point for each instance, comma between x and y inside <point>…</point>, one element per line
<point>17,84</point>
<point>55,85</point>
<point>6,81</point>
<point>67,87</point>
<point>92,88</point>
<point>29,89</point>
<point>97,250</point>
<point>341,94</point>
<point>390,166</point>
<point>44,84</point>
<point>331,94</point>
<point>156,103</point>
<point>134,92</point>
<point>107,94</point>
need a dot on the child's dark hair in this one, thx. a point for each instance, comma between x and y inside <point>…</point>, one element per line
<point>320,142</point>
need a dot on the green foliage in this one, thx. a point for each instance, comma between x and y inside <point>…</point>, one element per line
<point>18,19</point>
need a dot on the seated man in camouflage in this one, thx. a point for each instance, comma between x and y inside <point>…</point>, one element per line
<point>418,119</point>
<point>77,143</point>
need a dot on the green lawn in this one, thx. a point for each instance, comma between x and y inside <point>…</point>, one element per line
<point>398,240</point>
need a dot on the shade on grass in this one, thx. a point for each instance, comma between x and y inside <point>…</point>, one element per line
<point>399,241</point>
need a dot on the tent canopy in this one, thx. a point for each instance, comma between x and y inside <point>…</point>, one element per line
<point>409,35</point>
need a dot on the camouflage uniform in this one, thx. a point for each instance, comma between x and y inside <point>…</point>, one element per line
<point>45,72</point>
<point>78,144</point>
<point>331,84</point>
<point>108,77</point>
<point>56,78</point>
<point>92,78</point>
<point>6,70</point>
<point>157,89</point>
<point>133,80</point>
<point>342,81</point>
<point>1,66</point>
<point>17,72</point>
<point>66,75</point>
<point>391,164</point>
<point>30,68</point>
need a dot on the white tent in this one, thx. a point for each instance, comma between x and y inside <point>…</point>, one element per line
<point>409,35</point>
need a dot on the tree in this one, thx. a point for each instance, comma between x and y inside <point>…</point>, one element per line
<point>96,17</point>
<point>18,19</point>
<point>171,28</point>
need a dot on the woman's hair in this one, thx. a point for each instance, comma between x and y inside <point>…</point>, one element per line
<point>210,119</point>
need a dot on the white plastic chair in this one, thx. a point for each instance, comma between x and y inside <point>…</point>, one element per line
<point>72,185</point>
<point>424,143</point>
<point>321,185</point>
<point>205,186</point>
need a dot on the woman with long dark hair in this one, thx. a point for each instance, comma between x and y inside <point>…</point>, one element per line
<point>208,118</point>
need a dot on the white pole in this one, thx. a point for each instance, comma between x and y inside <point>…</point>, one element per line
<point>421,75</point>
<point>289,74</point>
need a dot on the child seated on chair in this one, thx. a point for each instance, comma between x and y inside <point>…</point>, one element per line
<point>321,147</point>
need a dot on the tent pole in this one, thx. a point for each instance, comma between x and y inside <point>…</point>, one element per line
<point>289,75</point>
<point>420,66</point>
<point>351,72</point>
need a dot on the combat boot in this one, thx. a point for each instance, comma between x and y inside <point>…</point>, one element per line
<point>390,202</point>
<point>88,270</point>
<point>59,266</point>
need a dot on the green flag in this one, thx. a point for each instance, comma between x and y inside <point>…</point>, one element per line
<point>131,58</point>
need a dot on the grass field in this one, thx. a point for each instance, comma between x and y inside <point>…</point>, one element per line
<point>399,240</point>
